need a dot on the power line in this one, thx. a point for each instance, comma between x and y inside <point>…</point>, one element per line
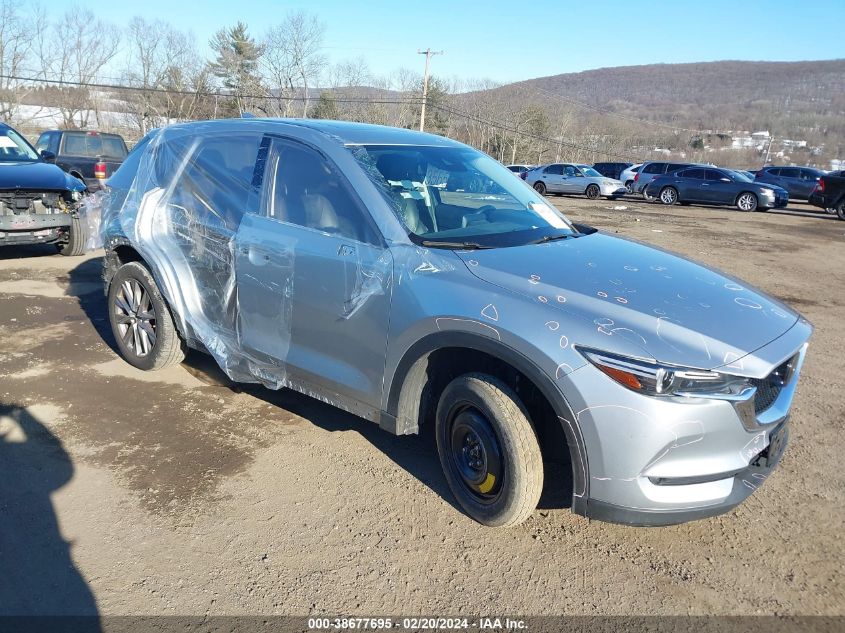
<point>538,137</point>
<point>410,100</point>
<point>202,93</point>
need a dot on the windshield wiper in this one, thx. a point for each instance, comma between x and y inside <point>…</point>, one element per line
<point>550,238</point>
<point>470,246</point>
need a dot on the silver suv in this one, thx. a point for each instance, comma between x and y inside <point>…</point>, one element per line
<point>331,258</point>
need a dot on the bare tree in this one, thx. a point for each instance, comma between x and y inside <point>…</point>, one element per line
<point>167,72</point>
<point>293,60</point>
<point>16,44</point>
<point>81,46</point>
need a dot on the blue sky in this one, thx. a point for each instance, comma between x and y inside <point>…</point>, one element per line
<point>513,40</point>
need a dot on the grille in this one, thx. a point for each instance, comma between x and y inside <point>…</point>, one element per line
<point>769,388</point>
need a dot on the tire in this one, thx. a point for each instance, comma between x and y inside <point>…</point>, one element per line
<point>646,197</point>
<point>488,450</point>
<point>840,209</point>
<point>540,187</point>
<point>629,186</point>
<point>74,246</point>
<point>669,195</point>
<point>156,346</point>
<point>746,201</point>
<point>592,192</point>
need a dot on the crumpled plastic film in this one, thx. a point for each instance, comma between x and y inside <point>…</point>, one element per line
<point>89,213</point>
<point>179,216</point>
<point>183,212</point>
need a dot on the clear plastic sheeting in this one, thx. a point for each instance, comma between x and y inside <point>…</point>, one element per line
<point>181,213</point>
<point>229,270</point>
<point>90,217</point>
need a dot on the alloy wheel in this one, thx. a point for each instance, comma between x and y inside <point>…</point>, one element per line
<point>668,196</point>
<point>135,317</point>
<point>747,202</point>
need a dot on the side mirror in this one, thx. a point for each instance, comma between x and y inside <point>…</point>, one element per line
<point>48,156</point>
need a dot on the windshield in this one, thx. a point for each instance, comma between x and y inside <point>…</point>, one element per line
<point>739,176</point>
<point>590,172</point>
<point>14,148</point>
<point>458,197</point>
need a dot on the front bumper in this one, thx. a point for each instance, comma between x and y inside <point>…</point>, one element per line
<point>661,461</point>
<point>743,484</point>
<point>33,228</point>
<point>613,191</point>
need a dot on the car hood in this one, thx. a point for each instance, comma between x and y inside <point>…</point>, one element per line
<point>37,175</point>
<point>676,311</point>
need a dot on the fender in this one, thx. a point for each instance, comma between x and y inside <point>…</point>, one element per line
<point>401,415</point>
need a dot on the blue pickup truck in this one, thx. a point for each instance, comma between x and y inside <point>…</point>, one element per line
<point>88,155</point>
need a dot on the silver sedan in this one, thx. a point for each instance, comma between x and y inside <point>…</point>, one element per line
<point>577,179</point>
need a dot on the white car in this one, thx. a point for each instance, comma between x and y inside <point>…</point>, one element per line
<point>520,169</point>
<point>578,179</point>
<point>627,176</point>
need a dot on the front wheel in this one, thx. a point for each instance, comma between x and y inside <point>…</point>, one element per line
<point>746,202</point>
<point>540,187</point>
<point>488,450</point>
<point>592,192</point>
<point>141,321</point>
<point>668,195</point>
<point>74,243</point>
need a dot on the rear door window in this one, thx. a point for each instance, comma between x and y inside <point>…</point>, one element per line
<point>712,174</point>
<point>695,174</point>
<point>790,172</point>
<point>556,170</point>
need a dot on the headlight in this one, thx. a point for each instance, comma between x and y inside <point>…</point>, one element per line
<point>767,192</point>
<point>654,379</point>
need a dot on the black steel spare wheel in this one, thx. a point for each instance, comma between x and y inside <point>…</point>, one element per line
<point>488,450</point>
<point>476,454</point>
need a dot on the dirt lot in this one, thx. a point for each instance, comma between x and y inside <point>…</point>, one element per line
<point>173,493</point>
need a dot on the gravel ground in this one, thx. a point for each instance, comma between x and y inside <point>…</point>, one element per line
<point>176,493</point>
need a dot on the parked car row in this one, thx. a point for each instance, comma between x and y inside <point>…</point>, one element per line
<point>676,182</point>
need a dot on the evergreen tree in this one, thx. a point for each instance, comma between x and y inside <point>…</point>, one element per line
<point>236,64</point>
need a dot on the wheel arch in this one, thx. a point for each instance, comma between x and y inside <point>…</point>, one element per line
<point>413,391</point>
<point>120,251</point>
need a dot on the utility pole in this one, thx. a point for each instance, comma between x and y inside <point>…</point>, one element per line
<point>768,150</point>
<point>428,53</point>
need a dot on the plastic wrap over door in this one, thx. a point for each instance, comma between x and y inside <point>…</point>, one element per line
<point>265,267</point>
